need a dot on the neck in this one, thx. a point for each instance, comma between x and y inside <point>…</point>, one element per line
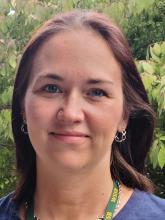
<point>68,195</point>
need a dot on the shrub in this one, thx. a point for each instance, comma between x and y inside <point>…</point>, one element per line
<point>145,28</point>
<point>153,74</point>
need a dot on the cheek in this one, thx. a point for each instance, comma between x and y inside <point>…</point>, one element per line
<point>107,119</point>
<point>38,113</point>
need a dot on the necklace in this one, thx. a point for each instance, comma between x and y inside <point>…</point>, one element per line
<point>111,208</point>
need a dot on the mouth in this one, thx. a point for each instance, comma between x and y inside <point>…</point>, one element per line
<point>73,134</point>
<point>69,137</point>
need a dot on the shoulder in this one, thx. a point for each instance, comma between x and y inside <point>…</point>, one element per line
<point>155,204</point>
<point>143,206</point>
<point>8,209</point>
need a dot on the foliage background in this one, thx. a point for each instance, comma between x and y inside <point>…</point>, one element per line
<point>143,22</point>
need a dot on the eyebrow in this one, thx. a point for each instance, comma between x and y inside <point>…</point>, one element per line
<point>55,76</point>
<point>52,76</point>
<point>98,81</point>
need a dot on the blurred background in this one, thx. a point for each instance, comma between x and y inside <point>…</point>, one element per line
<point>142,21</point>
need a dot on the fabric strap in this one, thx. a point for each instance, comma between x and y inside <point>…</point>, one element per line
<point>109,211</point>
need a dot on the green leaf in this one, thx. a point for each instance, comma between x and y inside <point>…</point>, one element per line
<point>163,47</point>
<point>139,65</point>
<point>162,70</point>
<point>141,4</point>
<point>153,56</point>
<point>12,61</point>
<point>161,104</point>
<point>148,80</point>
<point>154,152</point>
<point>157,49</point>
<point>161,157</point>
<point>155,92</point>
<point>162,138</point>
<point>5,98</point>
<point>67,5</point>
<point>147,67</point>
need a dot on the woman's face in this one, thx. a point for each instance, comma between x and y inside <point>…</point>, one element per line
<point>74,71</point>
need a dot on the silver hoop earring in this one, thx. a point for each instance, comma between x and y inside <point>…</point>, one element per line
<point>121,136</point>
<point>24,127</point>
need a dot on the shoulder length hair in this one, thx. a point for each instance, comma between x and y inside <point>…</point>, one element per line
<point>127,158</point>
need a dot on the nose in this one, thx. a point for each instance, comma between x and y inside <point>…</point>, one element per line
<point>71,110</point>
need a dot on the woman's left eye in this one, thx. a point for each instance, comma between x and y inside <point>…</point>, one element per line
<point>51,88</point>
<point>97,92</point>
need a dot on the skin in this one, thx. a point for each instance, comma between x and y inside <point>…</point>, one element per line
<point>77,72</point>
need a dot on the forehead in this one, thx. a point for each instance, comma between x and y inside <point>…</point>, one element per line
<point>79,51</point>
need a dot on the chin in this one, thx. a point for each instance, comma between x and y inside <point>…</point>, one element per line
<point>72,164</point>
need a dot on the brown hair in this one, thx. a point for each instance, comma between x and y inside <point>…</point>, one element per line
<point>128,157</point>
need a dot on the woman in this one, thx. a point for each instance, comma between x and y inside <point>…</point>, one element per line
<point>82,126</point>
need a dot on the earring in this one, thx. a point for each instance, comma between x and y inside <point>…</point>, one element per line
<point>24,127</point>
<point>121,136</point>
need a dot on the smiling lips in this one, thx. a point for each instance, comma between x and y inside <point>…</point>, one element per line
<point>69,137</point>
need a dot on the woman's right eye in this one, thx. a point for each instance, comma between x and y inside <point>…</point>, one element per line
<point>51,88</point>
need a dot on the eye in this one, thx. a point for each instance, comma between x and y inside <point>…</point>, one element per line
<point>97,93</point>
<point>51,88</point>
